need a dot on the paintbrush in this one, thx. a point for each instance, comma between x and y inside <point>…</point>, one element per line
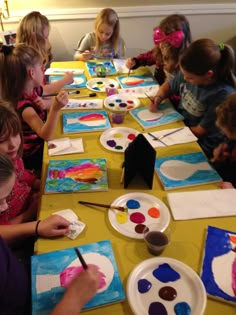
<point>128,75</point>
<point>119,208</point>
<point>156,138</point>
<point>87,95</point>
<point>169,133</point>
<point>81,259</point>
<point>149,98</point>
<point>55,94</point>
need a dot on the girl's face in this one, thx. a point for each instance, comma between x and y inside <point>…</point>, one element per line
<point>10,146</point>
<point>205,79</point>
<point>104,32</point>
<point>6,188</point>
<point>38,74</point>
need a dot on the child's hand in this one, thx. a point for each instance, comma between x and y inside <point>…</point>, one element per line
<point>60,101</point>
<point>153,106</point>
<point>226,185</point>
<point>87,54</point>
<point>220,153</point>
<point>68,78</point>
<point>130,63</point>
<point>40,103</point>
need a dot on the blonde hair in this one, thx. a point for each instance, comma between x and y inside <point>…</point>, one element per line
<point>31,32</point>
<point>108,16</point>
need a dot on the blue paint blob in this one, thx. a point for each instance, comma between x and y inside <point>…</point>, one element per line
<point>144,285</point>
<point>157,308</point>
<point>96,88</point>
<point>132,204</point>
<point>182,308</point>
<point>165,273</point>
<point>118,100</point>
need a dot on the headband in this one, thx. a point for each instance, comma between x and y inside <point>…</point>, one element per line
<point>175,38</point>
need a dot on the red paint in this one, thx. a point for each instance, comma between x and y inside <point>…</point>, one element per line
<point>131,136</point>
<point>154,212</point>
<point>137,217</point>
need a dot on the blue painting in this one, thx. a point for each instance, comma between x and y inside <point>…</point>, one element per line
<point>93,67</point>
<point>136,80</point>
<point>85,121</point>
<point>66,176</point>
<point>52,272</point>
<point>166,114</point>
<point>79,81</point>
<point>185,170</point>
<point>219,264</point>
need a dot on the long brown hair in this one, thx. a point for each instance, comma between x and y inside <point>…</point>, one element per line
<point>6,168</point>
<point>226,114</point>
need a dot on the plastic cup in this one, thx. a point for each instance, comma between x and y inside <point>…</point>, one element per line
<point>156,239</point>
<point>117,117</point>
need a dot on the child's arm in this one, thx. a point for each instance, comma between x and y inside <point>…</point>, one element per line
<point>86,55</point>
<point>220,153</point>
<point>58,85</point>
<point>198,131</point>
<point>163,92</point>
<point>46,130</point>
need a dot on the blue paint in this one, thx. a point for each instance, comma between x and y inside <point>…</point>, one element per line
<point>157,308</point>
<point>144,285</point>
<point>182,308</point>
<point>166,273</point>
<point>133,204</point>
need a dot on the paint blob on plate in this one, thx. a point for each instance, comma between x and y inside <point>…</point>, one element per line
<point>100,84</point>
<point>121,102</point>
<point>117,139</point>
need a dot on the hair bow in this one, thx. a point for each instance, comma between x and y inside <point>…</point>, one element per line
<point>175,38</point>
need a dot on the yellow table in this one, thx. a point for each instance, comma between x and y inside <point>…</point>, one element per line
<point>187,236</point>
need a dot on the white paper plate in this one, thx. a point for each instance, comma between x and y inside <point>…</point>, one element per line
<point>189,287</point>
<point>146,202</point>
<point>121,102</point>
<point>100,84</point>
<point>118,138</point>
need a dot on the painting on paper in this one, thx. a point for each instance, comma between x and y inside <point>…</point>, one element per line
<point>52,273</point>
<point>185,170</point>
<point>84,104</point>
<point>108,66</point>
<point>79,81</point>
<point>136,80</point>
<point>166,114</point>
<point>219,264</point>
<point>85,121</point>
<point>66,176</point>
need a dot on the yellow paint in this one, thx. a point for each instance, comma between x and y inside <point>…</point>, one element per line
<point>117,135</point>
<point>122,217</point>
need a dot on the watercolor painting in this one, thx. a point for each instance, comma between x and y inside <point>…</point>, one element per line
<point>107,65</point>
<point>52,272</point>
<point>165,286</point>
<point>84,104</point>
<point>185,170</point>
<point>120,65</point>
<point>66,176</point>
<point>219,264</point>
<point>141,91</point>
<point>136,80</point>
<point>121,101</point>
<point>85,121</point>
<point>79,81</point>
<point>166,114</point>
<point>100,84</point>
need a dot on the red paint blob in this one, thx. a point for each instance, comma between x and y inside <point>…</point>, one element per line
<point>131,136</point>
<point>137,217</point>
<point>130,102</point>
<point>154,212</point>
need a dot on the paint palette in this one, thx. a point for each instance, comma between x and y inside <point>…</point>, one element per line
<point>121,102</point>
<point>163,285</point>
<point>117,139</point>
<point>100,84</point>
<point>143,209</point>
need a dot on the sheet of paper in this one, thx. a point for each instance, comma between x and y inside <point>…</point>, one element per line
<point>184,135</point>
<point>120,66</point>
<point>65,146</point>
<point>202,204</point>
<point>60,71</point>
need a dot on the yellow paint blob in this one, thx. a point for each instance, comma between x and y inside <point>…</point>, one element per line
<point>154,212</point>
<point>117,135</point>
<point>122,217</point>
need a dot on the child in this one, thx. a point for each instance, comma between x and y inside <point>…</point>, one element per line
<point>14,279</point>
<point>224,156</point>
<point>205,80</point>
<point>22,202</point>
<point>105,42</point>
<point>34,30</point>
<point>171,38</point>
<point>27,63</point>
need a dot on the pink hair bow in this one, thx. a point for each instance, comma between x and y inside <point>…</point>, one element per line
<point>175,38</point>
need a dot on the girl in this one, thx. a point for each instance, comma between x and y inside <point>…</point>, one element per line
<point>105,42</point>
<point>22,203</point>
<point>205,80</point>
<point>171,38</point>
<point>27,63</point>
<point>34,30</point>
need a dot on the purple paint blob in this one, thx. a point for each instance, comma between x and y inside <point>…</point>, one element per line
<point>137,217</point>
<point>133,204</point>
<point>144,285</point>
<point>167,293</point>
<point>165,273</point>
<point>139,228</point>
<point>182,308</point>
<point>123,105</point>
<point>111,143</point>
<point>157,308</point>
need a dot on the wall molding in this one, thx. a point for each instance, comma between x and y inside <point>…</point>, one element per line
<point>123,12</point>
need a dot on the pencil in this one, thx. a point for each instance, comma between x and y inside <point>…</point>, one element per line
<point>81,259</point>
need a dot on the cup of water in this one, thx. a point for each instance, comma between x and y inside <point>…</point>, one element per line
<point>156,238</point>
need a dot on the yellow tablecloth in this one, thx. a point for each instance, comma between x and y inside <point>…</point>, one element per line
<point>187,238</point>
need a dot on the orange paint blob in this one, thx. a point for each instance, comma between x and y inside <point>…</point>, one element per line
<point>154,212</point>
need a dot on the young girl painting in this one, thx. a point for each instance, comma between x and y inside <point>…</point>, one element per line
<point>105,41</point>
<point>205,80</point>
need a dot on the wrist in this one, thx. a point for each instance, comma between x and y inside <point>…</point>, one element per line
<point>160,98</point>
<point>36,230</point>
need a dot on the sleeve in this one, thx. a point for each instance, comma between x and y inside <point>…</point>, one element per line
<point>145,59</point>
<point>27,176</point>
<point>86,43</point>
<point>175,83</point>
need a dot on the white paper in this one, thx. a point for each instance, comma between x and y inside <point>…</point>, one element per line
<point>202,204</point>
<point>61,71</point>
<point>65,146</point>
<point>140,91</point>
<point>120,66</point>
<point>84,104</point>
<point>184,135</point>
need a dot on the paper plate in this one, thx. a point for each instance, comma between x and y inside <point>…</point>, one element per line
<point>117,139</point>
<point>143,209</point>
<point>190,291</point>
<point>121,101</point>
<point>100,84</point>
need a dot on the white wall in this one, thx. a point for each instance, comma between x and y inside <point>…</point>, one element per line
<point>69,25</point>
